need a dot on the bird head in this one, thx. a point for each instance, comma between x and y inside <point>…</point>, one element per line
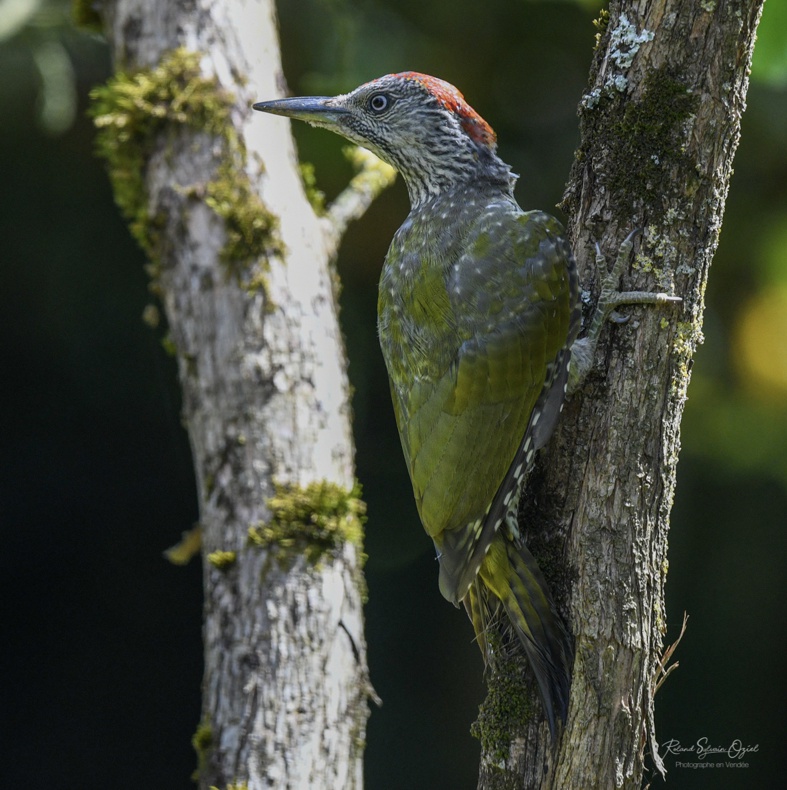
<point>420,125</point>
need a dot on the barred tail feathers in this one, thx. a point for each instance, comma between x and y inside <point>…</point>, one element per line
<point>510,573</point>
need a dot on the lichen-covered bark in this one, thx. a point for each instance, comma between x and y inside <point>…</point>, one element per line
<point>660,123</point>
<point>265,394</point>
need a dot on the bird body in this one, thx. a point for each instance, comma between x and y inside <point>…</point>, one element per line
<point>477,311</point>
<point>475,306</point>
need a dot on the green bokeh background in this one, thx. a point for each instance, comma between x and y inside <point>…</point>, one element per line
<point>101,644</point>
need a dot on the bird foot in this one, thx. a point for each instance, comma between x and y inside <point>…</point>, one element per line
<point>583,350</point>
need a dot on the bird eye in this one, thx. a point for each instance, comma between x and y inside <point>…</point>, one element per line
<point>379,102</point>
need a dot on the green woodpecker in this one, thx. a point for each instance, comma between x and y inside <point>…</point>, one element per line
<point>477,313</point>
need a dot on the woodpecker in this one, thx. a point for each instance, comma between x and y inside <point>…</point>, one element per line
<point>478,310</point>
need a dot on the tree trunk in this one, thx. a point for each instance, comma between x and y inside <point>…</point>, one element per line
<point>242,265</point>
<point>660,123</point>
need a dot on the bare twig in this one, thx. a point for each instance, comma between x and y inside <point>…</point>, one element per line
<point>372,177</point>
<point>663,671</point>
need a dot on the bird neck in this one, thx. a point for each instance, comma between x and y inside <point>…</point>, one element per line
<point>436,177</point>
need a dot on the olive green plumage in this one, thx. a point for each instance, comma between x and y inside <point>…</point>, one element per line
<point>473,313</point>
<point>468,323</point>
<point>478,308</point>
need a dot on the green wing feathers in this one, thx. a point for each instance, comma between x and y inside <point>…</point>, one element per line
<point>491,329</point>
<point>456,459</point>
<point>475,334</point>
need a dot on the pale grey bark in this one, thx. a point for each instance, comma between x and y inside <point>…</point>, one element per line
<point>660,125</point>
<point>265,402</point>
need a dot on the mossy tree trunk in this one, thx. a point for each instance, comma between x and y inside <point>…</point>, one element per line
<point>660,123</point>
<point>241,262</point>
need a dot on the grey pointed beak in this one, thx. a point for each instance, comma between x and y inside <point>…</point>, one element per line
<point>320,110</point>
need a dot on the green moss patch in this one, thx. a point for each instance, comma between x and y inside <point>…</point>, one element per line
<point>318,518</point>
<point>508,705</point>
<point>86,16</point>
<point>222,559</point>
<point>649,143</point>
<point>132,112</point>
<point>202,741</point>
<point>314,195</point>
<point>601,23</point>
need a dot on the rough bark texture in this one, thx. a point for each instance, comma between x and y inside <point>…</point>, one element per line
<point>265,393</point>
<point>660,124</point>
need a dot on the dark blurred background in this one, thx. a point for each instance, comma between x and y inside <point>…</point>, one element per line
<point>100,660</point>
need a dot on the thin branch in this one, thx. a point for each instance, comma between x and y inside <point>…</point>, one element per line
<point>660,675</point>
<point>372,177</point>
<point>663,671</point>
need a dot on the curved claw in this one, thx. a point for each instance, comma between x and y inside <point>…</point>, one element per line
<point>633,235</point>
<point>618,318</point>
<point>610,298</point>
